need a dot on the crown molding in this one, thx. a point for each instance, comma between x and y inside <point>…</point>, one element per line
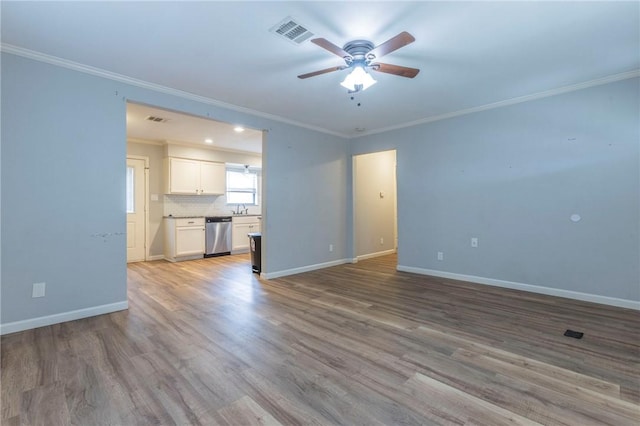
<point>37,56</point>
<point>144,141</point>
<point>512,101</point>
<point>87,69</point>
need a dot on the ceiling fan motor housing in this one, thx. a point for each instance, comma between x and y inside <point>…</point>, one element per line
<point>358,49</point>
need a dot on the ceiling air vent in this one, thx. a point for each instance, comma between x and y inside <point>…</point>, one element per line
<point>289,29</point>
<point>157,119</point>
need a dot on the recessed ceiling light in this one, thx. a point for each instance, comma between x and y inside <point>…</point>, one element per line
<point>239,129</point>
<point>208,141</point>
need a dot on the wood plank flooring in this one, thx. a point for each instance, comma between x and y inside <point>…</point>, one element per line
<point>207,342</point>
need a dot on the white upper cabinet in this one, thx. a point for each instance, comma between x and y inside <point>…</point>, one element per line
<point>184,176</point>
<point>212,178</point>
<point>194,177</point>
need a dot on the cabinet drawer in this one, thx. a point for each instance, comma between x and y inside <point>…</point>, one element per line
<point>246,219</point>
<point>195,221</point>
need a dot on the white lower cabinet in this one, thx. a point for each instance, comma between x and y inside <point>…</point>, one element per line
<point>184,238</point>
<point>243,225</point>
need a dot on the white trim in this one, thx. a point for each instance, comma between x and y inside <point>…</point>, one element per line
<point>37,56</point>
<point>587,297</point>
<point>183,258</point>
<point>512,101</point>
<point>285,272</point>
<point>156,257</point>
<point>377,254</point>
<point>28,324</point>
<point>147,142</point>
<point>53,60</point>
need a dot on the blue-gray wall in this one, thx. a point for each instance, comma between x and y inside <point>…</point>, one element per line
<point>512,177</point>
<point>62,190</point>
<point>63,207</point>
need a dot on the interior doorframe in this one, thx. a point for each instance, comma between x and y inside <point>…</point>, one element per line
<point>263,207</point>
<point>354,192</point>
<point>147,246</point>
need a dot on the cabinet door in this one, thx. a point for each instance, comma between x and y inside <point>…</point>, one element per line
<point>184,176</point>
<point>189,240</point>
<point>239,238</point>
<point>212,178</point>
<point>255,227</point>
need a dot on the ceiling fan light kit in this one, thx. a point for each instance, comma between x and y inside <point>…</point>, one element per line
<point>359,55</point>
<point>358,80</point>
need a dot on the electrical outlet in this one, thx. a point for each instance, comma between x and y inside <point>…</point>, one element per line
<point>381,241</point>
<point>38,289</point>
<point>440,255</point>
<point>330,247</point>
<point>474,242</point>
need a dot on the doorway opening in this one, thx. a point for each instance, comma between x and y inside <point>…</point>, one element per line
<point>188,160</point>
<point>375,205</point>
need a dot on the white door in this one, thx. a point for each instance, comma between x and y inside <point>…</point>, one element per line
<point>136,207</point>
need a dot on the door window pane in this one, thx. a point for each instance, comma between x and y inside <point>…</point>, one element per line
<point>130,190</point>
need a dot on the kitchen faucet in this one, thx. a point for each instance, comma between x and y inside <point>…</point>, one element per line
<point>244,209</point>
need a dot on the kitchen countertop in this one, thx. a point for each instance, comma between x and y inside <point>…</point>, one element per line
<point>198,217</point>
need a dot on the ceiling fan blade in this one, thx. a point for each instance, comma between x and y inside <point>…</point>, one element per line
<point>395,70</point>
<point>324,71</point>
<point>327,45</point>
<point>393,43</point>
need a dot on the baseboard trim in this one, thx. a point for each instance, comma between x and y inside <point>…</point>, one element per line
<point>576,295</point>
<point>376,254</point>
<point>155,257</point>
<point>285,272</point>
<point>13,327</point>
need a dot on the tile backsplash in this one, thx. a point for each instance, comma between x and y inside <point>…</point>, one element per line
<point>201,205</point>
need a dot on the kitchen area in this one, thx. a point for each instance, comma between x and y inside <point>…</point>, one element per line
<point>202,187</point>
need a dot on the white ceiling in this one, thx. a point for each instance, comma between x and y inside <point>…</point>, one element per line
<point>470,53</point>
<point>188,129</point>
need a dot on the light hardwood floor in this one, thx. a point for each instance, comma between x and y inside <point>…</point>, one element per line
<point>207,342</point>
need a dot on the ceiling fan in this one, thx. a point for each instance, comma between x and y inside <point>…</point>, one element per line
<point>360,55</point>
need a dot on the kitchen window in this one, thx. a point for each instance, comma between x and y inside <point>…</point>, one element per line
<point>242,186</point>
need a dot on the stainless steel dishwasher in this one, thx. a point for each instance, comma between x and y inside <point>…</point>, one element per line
<point>217,236</point>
